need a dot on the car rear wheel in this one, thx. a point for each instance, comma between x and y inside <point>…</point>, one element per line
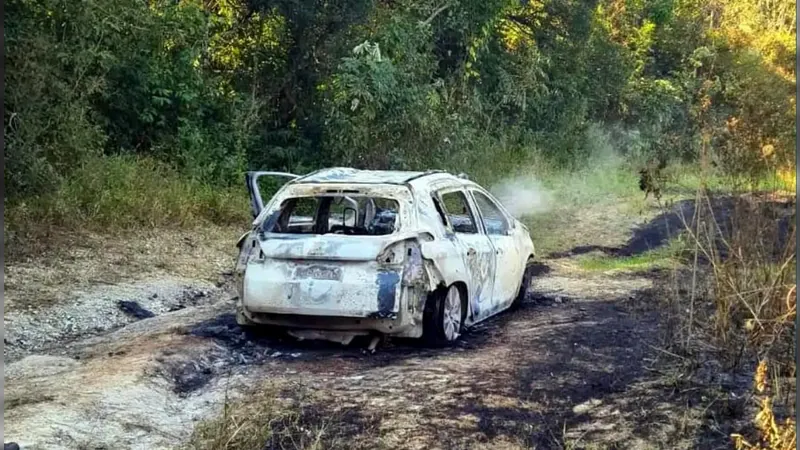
<point>444,316</point>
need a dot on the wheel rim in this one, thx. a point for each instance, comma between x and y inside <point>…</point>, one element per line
<point>452,314</point>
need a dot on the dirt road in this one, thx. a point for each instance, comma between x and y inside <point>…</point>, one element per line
<point>139,365</point>
<point>571,357</point>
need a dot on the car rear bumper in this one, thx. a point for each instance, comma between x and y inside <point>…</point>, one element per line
<point>407,322</point>
<point>358,290</point>
<point>334,323</point>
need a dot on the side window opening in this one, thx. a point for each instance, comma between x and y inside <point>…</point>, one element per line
<point>458,212</point>
<point>297,216</point>
<point>494,221</point>
<point>438,205</point>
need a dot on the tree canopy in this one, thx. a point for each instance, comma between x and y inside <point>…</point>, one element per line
<point>215,87</point>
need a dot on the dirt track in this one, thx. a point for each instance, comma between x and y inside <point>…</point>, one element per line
<point>571,355</point>
<point>572,368</point>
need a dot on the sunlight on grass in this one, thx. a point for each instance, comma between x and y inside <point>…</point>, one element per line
<point>645,261</point>
<point>659,258</point>
<point>689,178</point>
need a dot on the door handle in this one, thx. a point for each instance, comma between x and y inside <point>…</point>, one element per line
<point>471,252</point>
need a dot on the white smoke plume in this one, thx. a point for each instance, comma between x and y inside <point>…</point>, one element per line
<point>522,196</point>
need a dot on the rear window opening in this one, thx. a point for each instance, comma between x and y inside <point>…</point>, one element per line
<point>335,214</point>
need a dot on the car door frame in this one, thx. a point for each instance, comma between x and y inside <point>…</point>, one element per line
<point>479,277</point>
<point>251,181</point>
<point>257,203</point>
<point>507,255</point>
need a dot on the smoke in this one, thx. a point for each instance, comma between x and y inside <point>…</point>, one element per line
<point>522,196</point>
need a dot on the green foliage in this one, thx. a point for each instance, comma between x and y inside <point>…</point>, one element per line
<point>125,192</point>
<point>52,71</point>
<point>486,87</point>
<point>646,261</point>
<point>383,102</point>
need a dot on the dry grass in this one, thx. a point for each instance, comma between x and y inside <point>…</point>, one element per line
<point>772,434</point>
<point>49,272</point>
<point>737,306</point>
<point>284,417</point>
<point>569,226</point>
<point>751,256</point>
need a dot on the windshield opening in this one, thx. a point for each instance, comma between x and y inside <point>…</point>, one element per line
<point>335,214</point>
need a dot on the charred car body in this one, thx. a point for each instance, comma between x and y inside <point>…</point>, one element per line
<point>342,252</point>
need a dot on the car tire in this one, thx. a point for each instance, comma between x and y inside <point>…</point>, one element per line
<point>525,286</point>
<point>444,316</point>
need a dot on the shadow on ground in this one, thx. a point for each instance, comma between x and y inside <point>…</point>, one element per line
<point>728,213</point>
<point>556,372</point>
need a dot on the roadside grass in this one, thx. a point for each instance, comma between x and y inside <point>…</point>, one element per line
<point>50,273</point>
<point>253,423</point>
<point>664,257</point>
<point>570,219</point>
<point>594,205</point>
<point>284,417</point>
<point>646,261</point>
<point>736,311</point>
<point>687,178</point>
<point>118,194</point>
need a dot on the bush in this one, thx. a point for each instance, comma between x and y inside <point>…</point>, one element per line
<point>112,193</point>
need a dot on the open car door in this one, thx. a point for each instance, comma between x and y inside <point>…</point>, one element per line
<point>251,178</point>
<point>257,202</point>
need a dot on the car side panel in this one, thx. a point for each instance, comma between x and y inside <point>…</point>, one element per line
<point>506,254</point>
<point>444,263</point>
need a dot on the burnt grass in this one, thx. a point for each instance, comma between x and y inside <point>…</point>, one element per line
<point>595,351</point>
<point>717,210</point>
<point>134,309</point>
<point>551,357</point>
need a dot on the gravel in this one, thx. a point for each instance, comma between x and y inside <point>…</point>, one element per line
<point>97,311</point>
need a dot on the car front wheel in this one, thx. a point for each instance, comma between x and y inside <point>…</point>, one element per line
<point>525,286</point>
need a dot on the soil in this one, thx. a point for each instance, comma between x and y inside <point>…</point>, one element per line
<point>578,365</point>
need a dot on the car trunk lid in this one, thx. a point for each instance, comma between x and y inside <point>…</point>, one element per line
<point>322,247</point>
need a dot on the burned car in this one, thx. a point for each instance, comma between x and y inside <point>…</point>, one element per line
<point>343,252</point>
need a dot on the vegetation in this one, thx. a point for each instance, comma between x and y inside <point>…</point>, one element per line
<point>653,259</point>
<point>266,420</point>
<point>121,114</point>
<point>197,92</point>
<point>747,310</point>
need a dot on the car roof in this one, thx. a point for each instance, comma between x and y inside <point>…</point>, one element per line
<point>349,175</point>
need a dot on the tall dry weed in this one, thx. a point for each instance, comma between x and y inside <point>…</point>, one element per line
<point>773,434</point>
<point>741,307</point>
<point>744,247</point>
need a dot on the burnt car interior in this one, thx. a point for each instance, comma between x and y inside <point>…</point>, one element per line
<point>459,214</point>
<point>336,214</point>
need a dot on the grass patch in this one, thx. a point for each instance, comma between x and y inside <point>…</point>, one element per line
<point>48,274</point>
<point>645,261</point>
<point>685,178</point>
<point>121,193</point>
<point>271,417</point>
<point>663,257</point>
<point>596,205</point>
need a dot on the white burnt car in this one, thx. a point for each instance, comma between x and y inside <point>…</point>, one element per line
<point>344,252</point>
